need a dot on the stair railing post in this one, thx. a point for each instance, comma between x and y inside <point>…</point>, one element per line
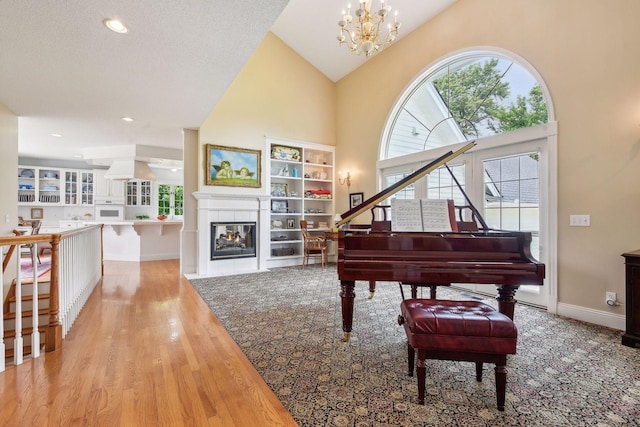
<point>53,340</point>
<point>35,309</point>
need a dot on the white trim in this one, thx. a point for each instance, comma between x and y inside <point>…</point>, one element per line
<point>598,317</point>
<point>451,57</point>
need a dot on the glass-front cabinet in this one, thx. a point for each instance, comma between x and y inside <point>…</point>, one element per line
<point>86,193</point>
<point>301,187</point>
<point>54,186</point>
<point>138,193</point>
<point>71,187</point>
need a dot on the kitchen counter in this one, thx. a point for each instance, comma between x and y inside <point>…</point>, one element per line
<point>136,240</point>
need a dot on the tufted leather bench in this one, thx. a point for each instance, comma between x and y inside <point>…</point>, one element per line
<point>458,330</point>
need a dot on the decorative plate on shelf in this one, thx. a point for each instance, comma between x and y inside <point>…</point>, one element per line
<point>27,173</point>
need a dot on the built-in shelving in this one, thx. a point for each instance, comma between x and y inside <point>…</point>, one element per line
<point>300,180</point>
<point>44,186</point>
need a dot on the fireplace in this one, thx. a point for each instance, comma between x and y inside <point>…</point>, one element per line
<point>233,240</point>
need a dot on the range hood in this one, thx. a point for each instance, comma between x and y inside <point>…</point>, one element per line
<point>125,170</point>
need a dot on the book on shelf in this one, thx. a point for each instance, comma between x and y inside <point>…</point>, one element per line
<point>435,215</point>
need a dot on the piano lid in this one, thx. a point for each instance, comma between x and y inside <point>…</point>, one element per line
<point>388,192</point>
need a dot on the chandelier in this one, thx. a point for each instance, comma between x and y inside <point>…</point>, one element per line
<point>365,33</point>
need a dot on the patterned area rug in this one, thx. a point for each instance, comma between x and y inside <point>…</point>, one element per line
<point>288,323</point>
<point>26,268</point>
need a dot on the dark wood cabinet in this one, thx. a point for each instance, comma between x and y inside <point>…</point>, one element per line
<point>631,337</point>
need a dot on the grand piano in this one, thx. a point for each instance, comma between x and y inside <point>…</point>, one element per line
<point>375,253</point>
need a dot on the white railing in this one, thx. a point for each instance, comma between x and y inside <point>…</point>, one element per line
<point>79,271</point>
<point>76,268</point>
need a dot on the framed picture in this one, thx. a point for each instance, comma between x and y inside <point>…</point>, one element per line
<point>37,213</point>
<point>290,154</point>
<point>291,223</point>
<point>232,167</point>
<point>279,190</point>
<point>355,199</point>
<point>279,206</point>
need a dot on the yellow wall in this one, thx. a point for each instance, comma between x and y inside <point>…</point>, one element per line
<point>277,94</point>
<point>585,50</point>
<point>587,53</point>
<point>8,181</point>
<point>8,168</point>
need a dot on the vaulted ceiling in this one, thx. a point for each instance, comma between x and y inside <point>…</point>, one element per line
<point>64,73</point>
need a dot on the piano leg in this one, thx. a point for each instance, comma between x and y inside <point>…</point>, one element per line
<point>347,294</point>
<point>372,288</point>
<point>506,299</point>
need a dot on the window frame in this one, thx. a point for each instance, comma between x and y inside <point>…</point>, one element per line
<point>172,205</point>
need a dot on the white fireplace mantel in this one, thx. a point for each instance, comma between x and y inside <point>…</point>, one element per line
<point>232,208</point>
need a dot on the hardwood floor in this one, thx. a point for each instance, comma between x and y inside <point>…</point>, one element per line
<point>144,351</point>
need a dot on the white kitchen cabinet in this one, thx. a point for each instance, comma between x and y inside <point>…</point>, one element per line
<point>86,189</point>
<point>27,185</point>
<point>39,186</point>
<point>46,186</point>
<point>71,187</point>
<point>107,190</point>
<point>77,187</point>
<point>138,193</point>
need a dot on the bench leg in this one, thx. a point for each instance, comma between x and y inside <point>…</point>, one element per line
<point>421,373</point>
<point>411,357</point>
<point>501,385</point>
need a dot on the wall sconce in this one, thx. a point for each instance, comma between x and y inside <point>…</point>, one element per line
<point>346,180</point>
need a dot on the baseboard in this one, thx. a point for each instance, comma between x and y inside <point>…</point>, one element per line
<point>160,257</point>
<point>598,317</point>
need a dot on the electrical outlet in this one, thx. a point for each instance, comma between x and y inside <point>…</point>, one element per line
<point>611,298</point>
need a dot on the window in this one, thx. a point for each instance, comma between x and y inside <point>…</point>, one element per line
<point>442,186</point>
<point>512,195</point>
<point>472,95</point>
<point>408,192</point>
<point>499,101</point>
<point>170,200</point>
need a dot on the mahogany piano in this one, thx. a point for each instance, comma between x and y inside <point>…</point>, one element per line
<point>500,258</point>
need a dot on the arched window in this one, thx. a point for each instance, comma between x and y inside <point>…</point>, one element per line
<point>499,100</point>
<point>466,97</point>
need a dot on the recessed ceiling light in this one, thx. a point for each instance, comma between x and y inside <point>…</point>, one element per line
<point>127,119</point>
<point>57,135</point>
<point>77,156</point>
<point>115,25</point>
<point>174,170</point>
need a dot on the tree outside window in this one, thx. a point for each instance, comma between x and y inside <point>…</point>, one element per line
<point>170,200</point>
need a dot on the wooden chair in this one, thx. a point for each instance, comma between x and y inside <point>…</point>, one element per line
<point>313,245</point>
<point>35,229</point>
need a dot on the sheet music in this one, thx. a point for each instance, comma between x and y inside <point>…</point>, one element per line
<point>406,215</point>
<point>420,215</point>
<point>435,215</point>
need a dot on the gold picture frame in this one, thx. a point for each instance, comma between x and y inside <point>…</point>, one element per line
<point>232,166</point>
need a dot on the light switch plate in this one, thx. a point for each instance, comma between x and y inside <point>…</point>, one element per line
<point>580,220</point>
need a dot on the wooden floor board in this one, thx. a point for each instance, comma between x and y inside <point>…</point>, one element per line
<point>145,350</point>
